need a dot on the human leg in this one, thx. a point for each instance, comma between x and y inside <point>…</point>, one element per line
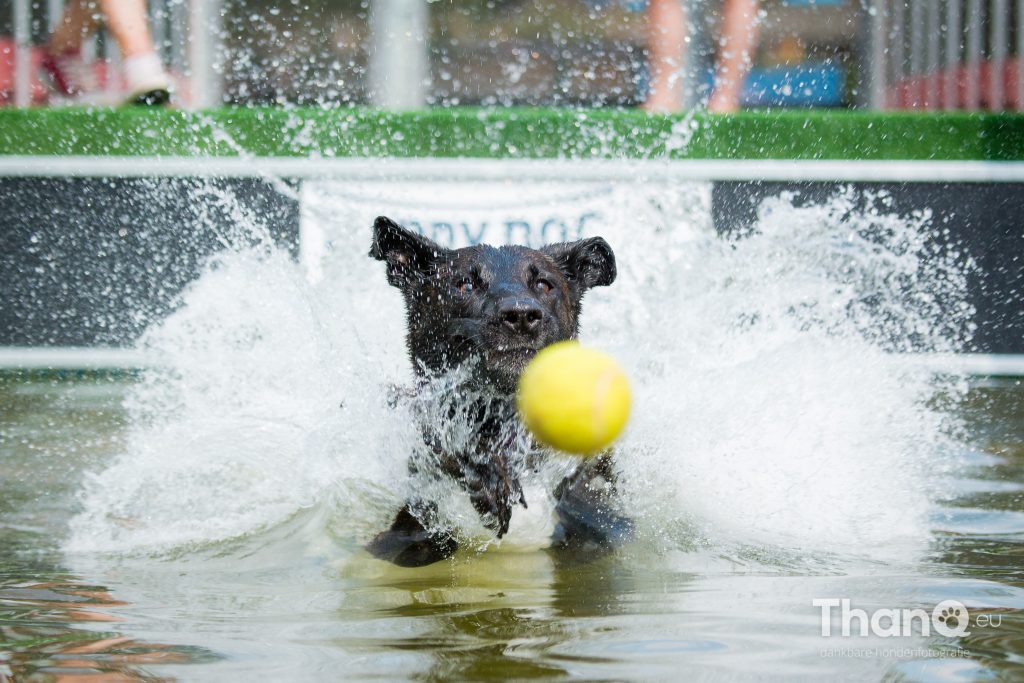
<point>739,33</point>
<point>666,44</point>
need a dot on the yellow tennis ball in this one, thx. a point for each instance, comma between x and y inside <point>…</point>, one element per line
<point>573,398</point>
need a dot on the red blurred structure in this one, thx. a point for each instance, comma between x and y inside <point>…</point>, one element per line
<point>930,91</point>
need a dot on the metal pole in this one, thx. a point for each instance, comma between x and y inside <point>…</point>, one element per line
<point>932,59</point>
<point>917,53</point>
<point>954,32</point>
<point>899,53</point>
<point>693,55</point>
<point>972,94</point>
<point>178,32</point>
<point>1000,39</point>
<point>1020,55</point>
<point>398,67</point>
<point>54,11</point>
<point>876,53</point>
<point>204,52</point>
<point>22,54</point>
<point>158,20</point>
<point>112,66</point>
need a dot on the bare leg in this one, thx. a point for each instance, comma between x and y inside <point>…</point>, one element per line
<point>144,74</point>
<point>79,21</point>
<point>126,20</point>
<point>666,41</point>
<point>739,31</point>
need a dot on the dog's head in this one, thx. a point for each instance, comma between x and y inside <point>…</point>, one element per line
<point>501,304</point>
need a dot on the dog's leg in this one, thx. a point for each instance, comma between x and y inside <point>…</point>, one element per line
<point>493,489</point>
<point>586,509</point>
<point>492,484</point>
<point>409,544</point>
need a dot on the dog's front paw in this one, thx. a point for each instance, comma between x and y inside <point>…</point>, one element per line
<point>495,510</point>
<point>408,543</point>
<point>587,508</point>
<point>494,490</point>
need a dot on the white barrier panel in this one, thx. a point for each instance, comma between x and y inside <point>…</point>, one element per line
<point>458,214</point>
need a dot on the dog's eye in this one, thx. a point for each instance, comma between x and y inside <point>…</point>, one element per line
<point>465,285</point>
<point>543,286</point>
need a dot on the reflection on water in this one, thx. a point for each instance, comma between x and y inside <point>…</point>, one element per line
<point>54,625</point>
<point>63,630</point>
<point>296,602</point>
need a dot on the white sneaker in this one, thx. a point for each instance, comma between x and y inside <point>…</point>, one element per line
<point>147,81</point>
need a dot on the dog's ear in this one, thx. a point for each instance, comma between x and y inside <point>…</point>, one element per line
<point>409,256</point>
<point>586,263</point>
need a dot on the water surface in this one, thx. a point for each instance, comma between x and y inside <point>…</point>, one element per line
<point>299,602</point>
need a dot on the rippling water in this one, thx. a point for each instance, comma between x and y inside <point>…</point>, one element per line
<point>295,602</point>
<point>204,519</point>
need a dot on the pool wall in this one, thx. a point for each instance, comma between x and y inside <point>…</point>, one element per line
<point>100,220</point>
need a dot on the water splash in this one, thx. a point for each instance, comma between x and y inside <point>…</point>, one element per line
<point>771,409</point>
<point>772,417</point>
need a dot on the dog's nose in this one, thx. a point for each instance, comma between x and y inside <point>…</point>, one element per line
<point>521,316</point>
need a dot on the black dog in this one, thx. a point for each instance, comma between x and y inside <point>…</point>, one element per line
<point>490,310</point>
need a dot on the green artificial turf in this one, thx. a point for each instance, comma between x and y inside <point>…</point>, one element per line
<point>511,133</point>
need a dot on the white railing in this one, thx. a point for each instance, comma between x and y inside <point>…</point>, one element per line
<point>945,54</point>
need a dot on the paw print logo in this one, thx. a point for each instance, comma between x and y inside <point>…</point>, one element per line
<point>950,618</point>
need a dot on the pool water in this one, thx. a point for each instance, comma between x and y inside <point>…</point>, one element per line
<point>295,602</point>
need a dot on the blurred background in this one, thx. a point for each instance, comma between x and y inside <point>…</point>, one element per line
<point>878,54</point>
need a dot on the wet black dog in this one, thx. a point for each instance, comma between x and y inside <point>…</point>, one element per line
<point>491,310</point>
